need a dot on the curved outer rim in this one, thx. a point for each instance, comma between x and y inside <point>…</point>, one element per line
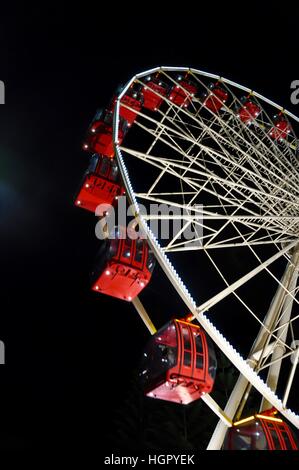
<point>231,353</point>
<point>210,75</point>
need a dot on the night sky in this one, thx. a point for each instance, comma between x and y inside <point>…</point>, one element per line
<point>69,351</point>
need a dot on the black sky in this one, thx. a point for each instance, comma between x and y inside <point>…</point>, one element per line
<point>69,351</point>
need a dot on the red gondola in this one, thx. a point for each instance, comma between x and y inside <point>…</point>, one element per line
<point>99,137</point>
<point>179,363</point>
<point>260,432</point>
<point>249,111</point>
<point>152,86</point>
<point>281,127</point>
<point>182,94</point>
<point>123,268</point>
<point>215,98</point>
<point>101,184</point>
<point>134,100</point>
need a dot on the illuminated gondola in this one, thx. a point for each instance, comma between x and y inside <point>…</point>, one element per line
<point>249,110</point>
<point>99,137</point>
<point>215,98</point>
<point>262,431</point>
<point>179,363</point>
<point>152,86</point>
<point>281,127</point>
<point>133,99</point>
<point>101,184</point>
<point>182,94</point>
<point>123,267</point>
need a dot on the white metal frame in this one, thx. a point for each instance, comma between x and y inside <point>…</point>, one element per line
<point>252,182</point>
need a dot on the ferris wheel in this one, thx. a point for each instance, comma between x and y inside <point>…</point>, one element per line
<point>224,159</point>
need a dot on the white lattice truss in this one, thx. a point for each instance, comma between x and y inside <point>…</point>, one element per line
<point>232,183</point>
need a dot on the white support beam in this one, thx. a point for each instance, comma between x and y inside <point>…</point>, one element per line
<point>216,409</point>
<point>144,315</point>
<point>279,350</point>
<point>260,347</point>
